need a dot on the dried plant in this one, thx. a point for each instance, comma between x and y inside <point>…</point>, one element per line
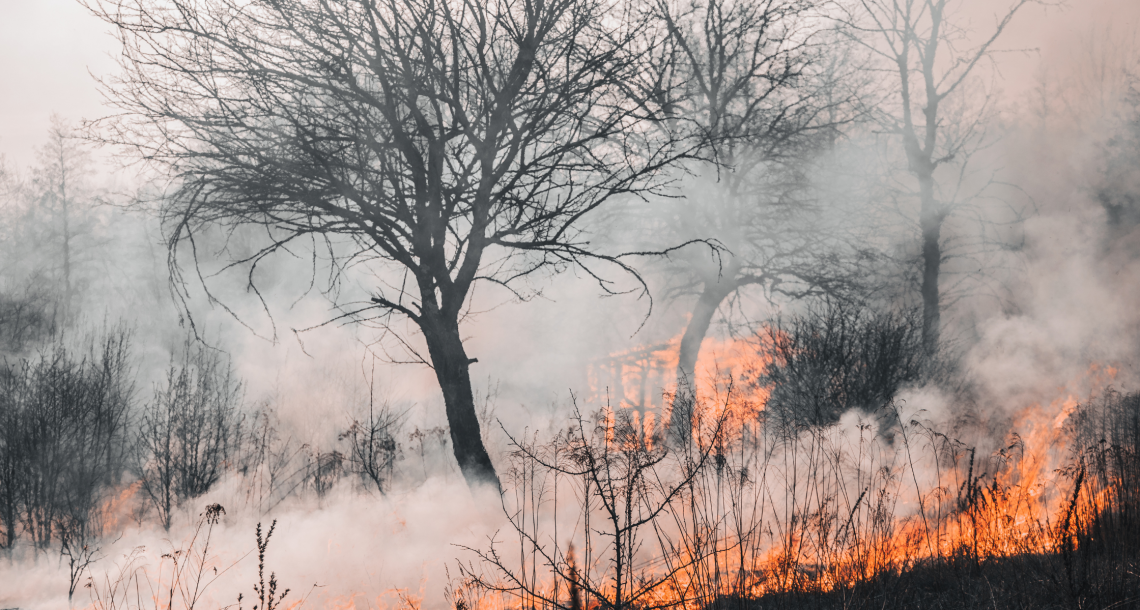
<point>627,481</point>
<point>373,449</point>
<point>267,597</point>
<point>182,575</point>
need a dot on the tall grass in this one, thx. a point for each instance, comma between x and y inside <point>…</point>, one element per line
<point>803,484</point>
<point>842,515</point>
<point>179,578</point>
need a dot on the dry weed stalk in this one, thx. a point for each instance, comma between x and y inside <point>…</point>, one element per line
<point>183,574</point>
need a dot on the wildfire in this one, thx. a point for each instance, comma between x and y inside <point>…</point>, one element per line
<point>890,500</point>
<point>643,379</point>
<point>826,508</point>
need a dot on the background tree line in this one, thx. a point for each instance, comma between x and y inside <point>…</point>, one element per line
<point>75,432</point>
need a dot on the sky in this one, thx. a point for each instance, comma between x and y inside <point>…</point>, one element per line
<point>48,51</point>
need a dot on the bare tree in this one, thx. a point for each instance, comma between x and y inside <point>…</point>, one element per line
<point>13,458</point>
<point>60,183</point>
<point>65,416</point>
<point>28,295</point>
<point>48,231</point>
<point>753,84</point>
<point>25,316</point>
<point>930,55</point>
<point>1117,187</point>
<point>452,141</point>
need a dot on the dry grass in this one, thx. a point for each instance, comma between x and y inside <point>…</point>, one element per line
<point>825,517</point>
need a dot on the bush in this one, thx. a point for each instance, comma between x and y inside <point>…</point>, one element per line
<point>63,431</point>
<point>373,449</point>
<point>189,432</point>
<point>837,358</point>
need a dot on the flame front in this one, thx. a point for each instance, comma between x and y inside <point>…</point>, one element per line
<point>829,507</point>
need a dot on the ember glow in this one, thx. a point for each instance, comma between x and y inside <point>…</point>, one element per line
<point>644,379</point>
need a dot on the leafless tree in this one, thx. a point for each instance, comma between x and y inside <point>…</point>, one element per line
<point>754,84</point>
<point>28,298</point>
<point>930,57</point>
<point>25,316</point>
<point>13,460</point>
<point>1117,187</point>
<point>49,230</point>
<point>65,416</point>
<point>63,165</point>
<point>452,141</point>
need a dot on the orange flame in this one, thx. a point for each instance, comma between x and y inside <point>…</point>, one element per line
<point>1014,502</point>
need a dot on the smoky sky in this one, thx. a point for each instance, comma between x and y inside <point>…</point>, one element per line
<point>47,48</point>
<point>530,354</point>
<point>50,48</point>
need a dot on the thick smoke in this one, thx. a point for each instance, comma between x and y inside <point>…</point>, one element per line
<point>1054,320</point>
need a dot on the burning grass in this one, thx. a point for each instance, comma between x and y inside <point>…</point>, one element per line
<point>881,509</point>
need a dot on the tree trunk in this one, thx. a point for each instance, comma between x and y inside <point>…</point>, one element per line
<point>930,219</point>
<point>680,422</point>
<point>66,245</point>
<point>452,370</point>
